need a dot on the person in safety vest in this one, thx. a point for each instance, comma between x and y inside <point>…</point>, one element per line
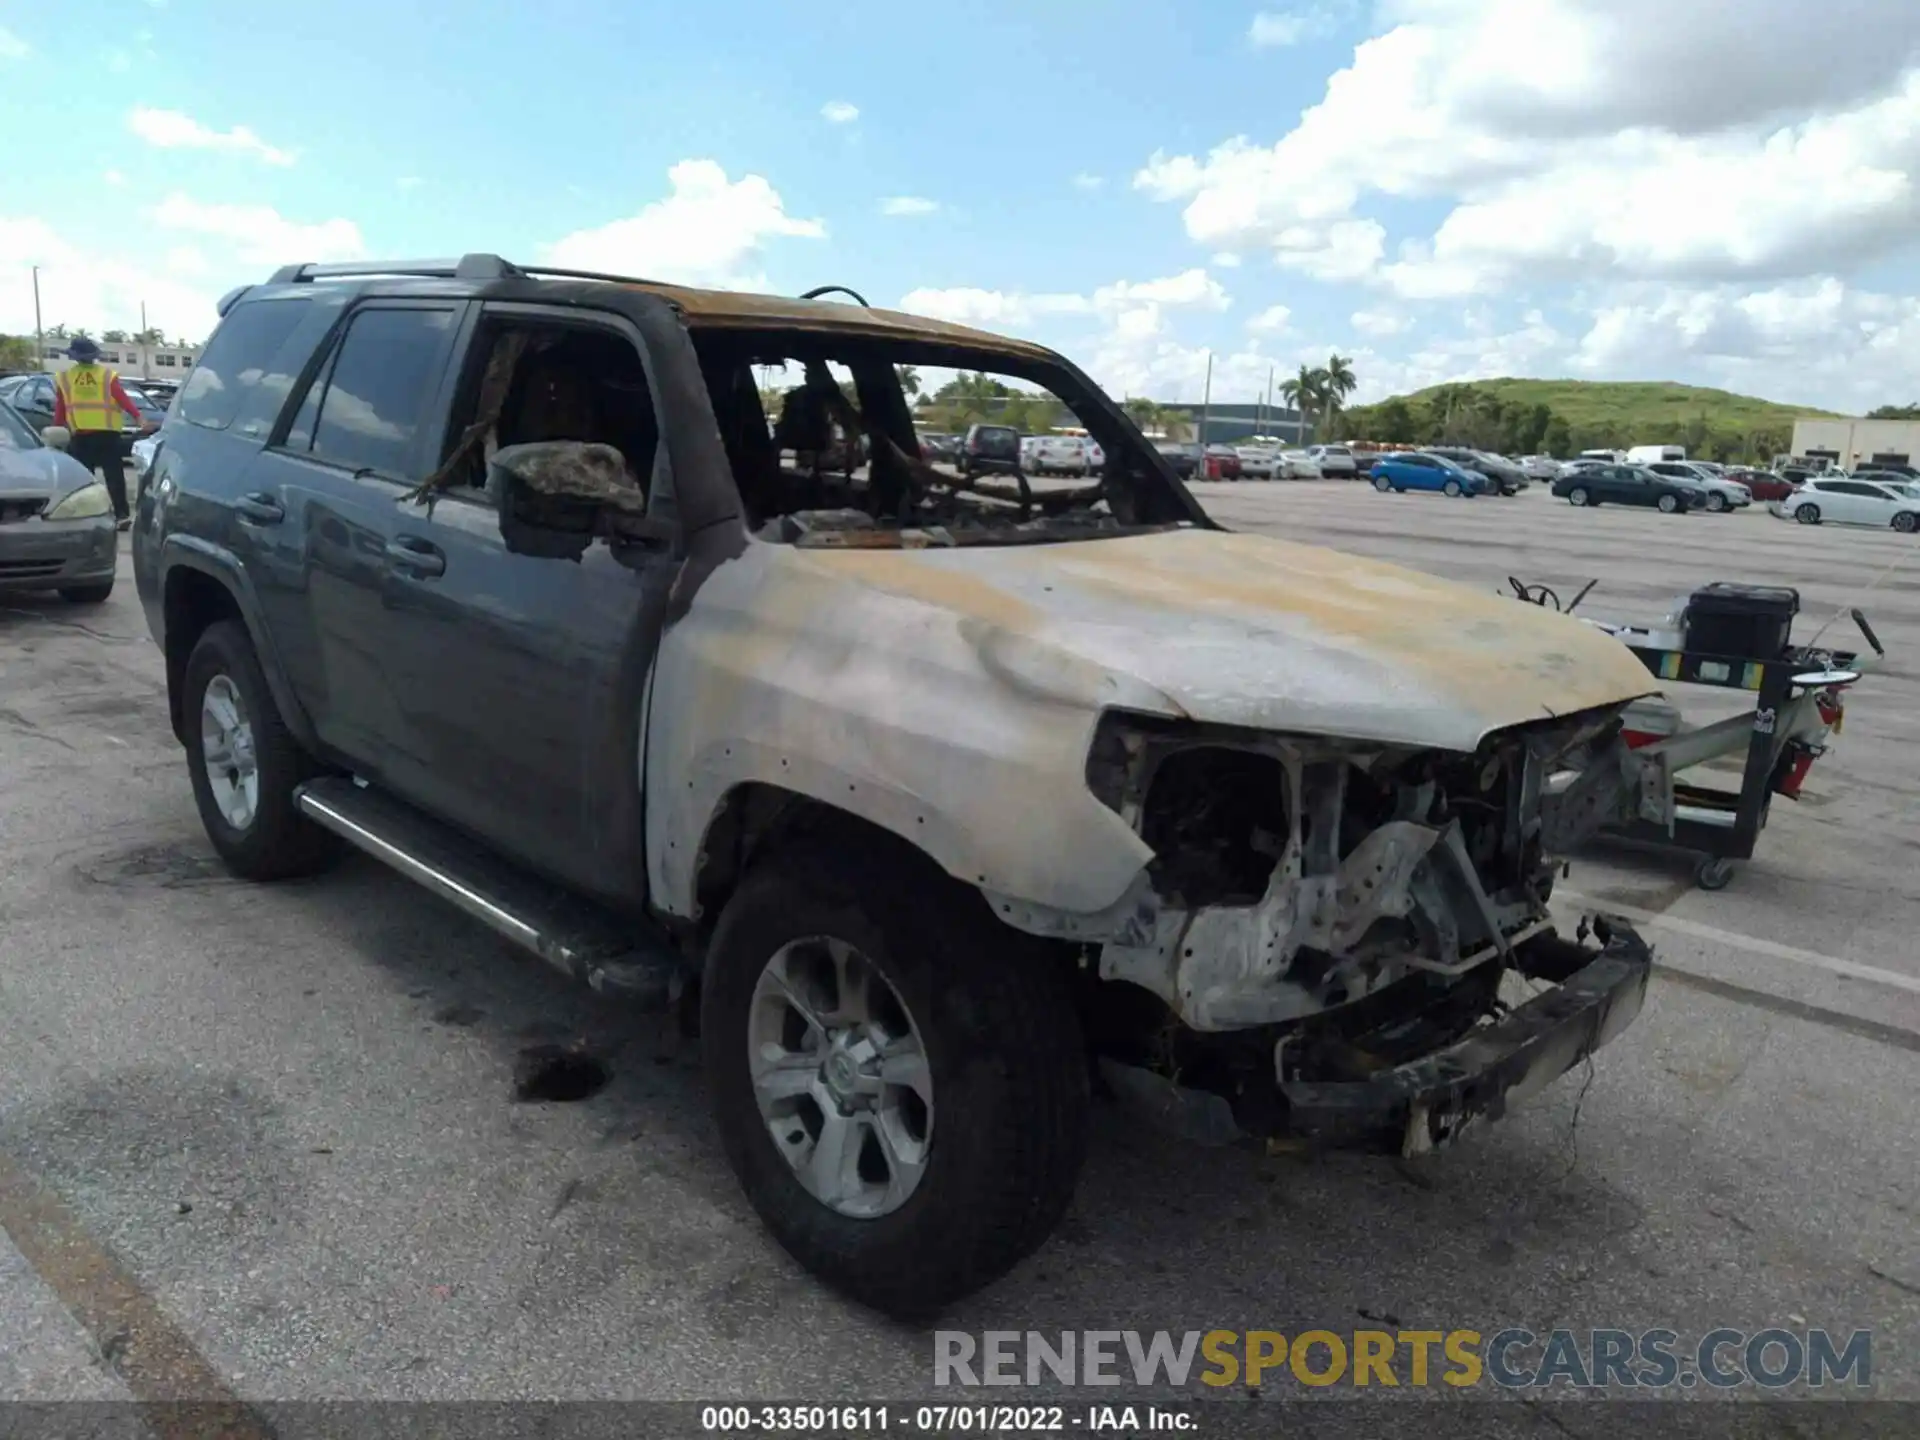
<point>90,401</point>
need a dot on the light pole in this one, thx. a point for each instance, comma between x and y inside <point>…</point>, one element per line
<point>1206,399</point>
<point>39,337</point>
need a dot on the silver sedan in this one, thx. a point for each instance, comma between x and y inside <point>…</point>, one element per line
<point>56,520</point>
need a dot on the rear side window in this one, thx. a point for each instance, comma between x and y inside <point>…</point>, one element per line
<point>236,359</point>
<point>366,409</point>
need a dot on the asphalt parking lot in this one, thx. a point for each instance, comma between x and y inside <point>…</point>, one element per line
<point>269,1135</point>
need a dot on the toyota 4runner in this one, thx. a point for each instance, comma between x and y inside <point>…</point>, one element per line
<point>937,802</point>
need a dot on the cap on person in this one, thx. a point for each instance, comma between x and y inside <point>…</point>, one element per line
<point>83,349</point>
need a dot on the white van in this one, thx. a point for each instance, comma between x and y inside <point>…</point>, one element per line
<point>1611,457</point>
<point>1656,454</point>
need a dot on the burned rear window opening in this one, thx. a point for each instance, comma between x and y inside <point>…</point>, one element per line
<point>826,455</point>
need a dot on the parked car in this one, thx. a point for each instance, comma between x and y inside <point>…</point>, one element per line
<point>1613,484</point>
<point>1258,462</point>
<point>1507,477</point>
<point>1540,467</point>
<point>1885,504</point>
<point>56,520</point>
<point>1761,484</point>
<point>1223,462</point>
<point>1715,494</point>
<point>1336,462</point>
<point>1299,465</point>
<point>1425,470</point>
<point>939,447</point>
<point>31,395</point>
<point>990,450</point>
<point>1891,467</point>
<point>1057,455</point>
<point>1096,457</point>
<point>1183,456</point>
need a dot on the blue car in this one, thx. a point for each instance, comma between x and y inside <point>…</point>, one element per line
<point>1421,471</point>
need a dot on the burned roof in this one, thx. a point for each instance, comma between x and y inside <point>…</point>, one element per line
<point>745,310</point>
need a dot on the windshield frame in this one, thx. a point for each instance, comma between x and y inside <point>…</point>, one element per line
<point>16,429</point>
<point>1154,493</point>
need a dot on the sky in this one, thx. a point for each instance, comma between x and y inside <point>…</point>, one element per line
<point>1437,189</point>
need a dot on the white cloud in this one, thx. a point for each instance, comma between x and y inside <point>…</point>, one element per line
<point>171,130</point>
<point>991,309</point>
<point>187,260</point>
<point>259,234</point>
<point>1380,323</point>
<point>1087,181</point>
<point>908,205</point>
<point>114,177</point>
<point>82,285</point>
<point>408,182</point>
<point>12,47</point>
<point>708,230</point>
<point>1272,29</point>
<point>1585,139</point>
<point>1226,260</point>
<point>1271,320</point>
<point>839,112</point>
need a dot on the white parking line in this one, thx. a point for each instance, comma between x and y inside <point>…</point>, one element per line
<point>1753,945</point>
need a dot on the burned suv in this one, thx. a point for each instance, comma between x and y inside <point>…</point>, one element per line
<point>939,803</point>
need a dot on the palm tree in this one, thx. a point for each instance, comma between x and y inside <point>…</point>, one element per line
<point>80,332</point>
<point>1341,381</point>
<point>55,332</point>
<point>909,381</point>
<point>114,337</point>
<point>1304,393</point>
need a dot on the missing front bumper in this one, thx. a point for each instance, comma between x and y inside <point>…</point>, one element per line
<point>1430,1101</point>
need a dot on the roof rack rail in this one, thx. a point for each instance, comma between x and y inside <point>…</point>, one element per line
<point>819,290</point>
<point>477,266</point>
<point>561,274</point>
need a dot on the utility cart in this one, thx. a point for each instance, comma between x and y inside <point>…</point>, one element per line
<point>1734,637</point>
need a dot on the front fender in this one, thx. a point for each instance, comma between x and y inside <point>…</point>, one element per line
<point>963,737</point>
<point>192,552</point>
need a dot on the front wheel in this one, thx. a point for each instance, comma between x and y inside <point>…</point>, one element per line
<point>1668,504</point>
<point>900,1082</point>
<point>1716,503</point>
<point>245,765</point>
<point>1808,514</point>
<point>1906,522</point>
<point>1577,496</point>
<point>1452,487</point>
<point>1382,484</point>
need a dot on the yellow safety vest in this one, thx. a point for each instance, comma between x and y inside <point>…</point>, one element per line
<point>88,391</point>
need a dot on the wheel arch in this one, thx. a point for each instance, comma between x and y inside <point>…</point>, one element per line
<point>201,585</point>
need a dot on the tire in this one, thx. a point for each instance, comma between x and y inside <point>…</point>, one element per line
<point>1577,495</point>
<point>1668,504</point>
<point>273,841</point>
<point>1716,502</point>
<point>1006,1128</point>
<point>1382,484</point>
<point>86,594</point>
<point>1807,514</point>
<point>1906,522</point>
<point>1451,488</point>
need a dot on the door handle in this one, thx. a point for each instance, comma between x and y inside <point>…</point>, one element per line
<point>420,557</point>
<point>260,508</point>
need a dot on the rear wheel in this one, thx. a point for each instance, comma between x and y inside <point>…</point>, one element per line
<point>1452,487</point>
<point>900,1082</point>
<point>1807,514</point>
<point>1577,495</point>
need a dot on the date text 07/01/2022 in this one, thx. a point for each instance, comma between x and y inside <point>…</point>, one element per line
<point>942,1419</point>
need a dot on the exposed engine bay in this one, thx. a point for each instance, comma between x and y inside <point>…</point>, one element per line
<point>1295,875</point>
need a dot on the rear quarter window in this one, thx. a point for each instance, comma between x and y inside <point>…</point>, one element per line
<point>237,360</point>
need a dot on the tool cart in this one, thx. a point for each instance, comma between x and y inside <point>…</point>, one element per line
<point>1733,637</point>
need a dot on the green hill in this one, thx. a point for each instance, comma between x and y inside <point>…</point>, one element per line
<point>1645,412</point>
<point>1560,416</point>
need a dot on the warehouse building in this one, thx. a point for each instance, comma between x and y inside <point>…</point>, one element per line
<point>1850,444</point>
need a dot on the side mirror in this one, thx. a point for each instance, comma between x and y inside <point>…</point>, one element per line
<point>58,436</point>
<point>555,497</point>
